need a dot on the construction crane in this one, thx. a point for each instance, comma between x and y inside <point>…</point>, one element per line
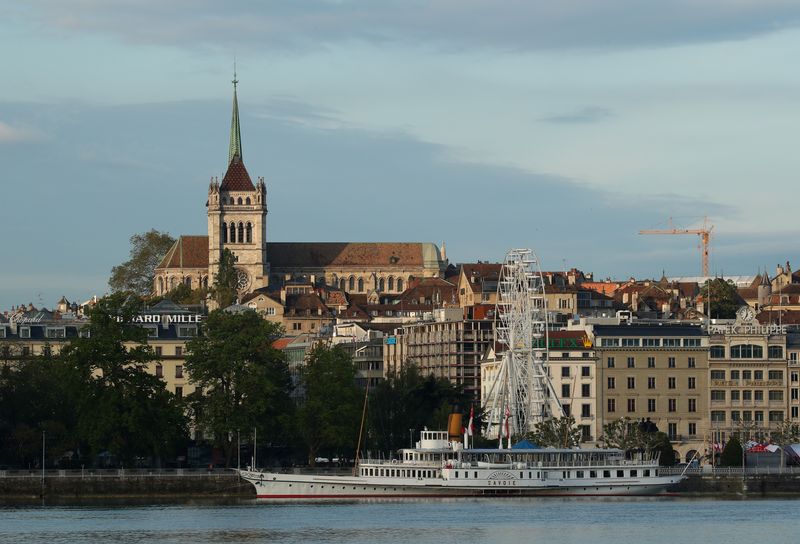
<point>704,234</point>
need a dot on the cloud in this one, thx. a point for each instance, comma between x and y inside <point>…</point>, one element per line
<point>504,24</point>
<point>589,114</point>
<point>13,135</point>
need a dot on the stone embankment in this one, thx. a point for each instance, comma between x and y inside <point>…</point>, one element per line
<point>123,483</point>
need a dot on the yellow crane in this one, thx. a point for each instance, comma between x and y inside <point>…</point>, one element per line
<point>704,234</point>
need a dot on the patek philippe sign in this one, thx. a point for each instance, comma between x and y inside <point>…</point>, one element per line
<point>746,324</point>
<point>747,328</point>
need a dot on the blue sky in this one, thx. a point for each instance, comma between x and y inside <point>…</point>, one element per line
<point>562,126</point>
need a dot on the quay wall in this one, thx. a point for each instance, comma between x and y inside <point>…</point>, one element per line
<point>760,485</point>
<point>218,483</point>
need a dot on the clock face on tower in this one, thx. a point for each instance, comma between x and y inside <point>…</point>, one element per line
<point>242,280</point>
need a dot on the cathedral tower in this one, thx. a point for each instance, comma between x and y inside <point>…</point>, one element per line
<point>237,216</point>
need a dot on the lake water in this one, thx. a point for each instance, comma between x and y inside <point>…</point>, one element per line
<point>596,521</point>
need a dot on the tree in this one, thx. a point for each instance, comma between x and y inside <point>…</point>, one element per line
<point>623,434</point>
<point>732,453</point>
<point>409,401</point>
<point>787,432</point>
<point>121,407</point>
<point>226,281</point>
<point>722,297</point>
<point>557,432</point>
<point>37,395</point>
<point>137,273</point>
<point>329,416</point>
<point>242,381</point>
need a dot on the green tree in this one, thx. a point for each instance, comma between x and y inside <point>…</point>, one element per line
<point>731,455</point>
<point>37,394</point>
<point>225,282</point>
<point>330,414</point>
<point>122,408</point>
<point>628,435</point>
<point>409,401</point>
<point>137,273</point>
<point>723,297</point>
<point>556,432</point>
<point>242,381</point>
<point>787,432</point>
<point>660,443</point>
<point>624,434</point>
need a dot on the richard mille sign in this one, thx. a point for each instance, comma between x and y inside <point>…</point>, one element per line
<point>165,318</point>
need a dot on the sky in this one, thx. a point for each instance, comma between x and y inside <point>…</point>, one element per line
<point>565,127</point>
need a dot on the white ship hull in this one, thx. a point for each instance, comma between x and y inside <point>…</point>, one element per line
<point>277,486</point>
<point>440,468</point>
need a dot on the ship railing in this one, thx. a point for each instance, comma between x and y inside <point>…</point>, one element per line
<point>729,471</point>
<point>397,463</point>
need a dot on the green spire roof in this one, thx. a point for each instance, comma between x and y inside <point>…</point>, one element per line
<point>235,149</point>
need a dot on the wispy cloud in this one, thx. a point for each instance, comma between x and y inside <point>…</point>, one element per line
<point>15,134</point>
<point>589,114</point>
<point>505,24</point>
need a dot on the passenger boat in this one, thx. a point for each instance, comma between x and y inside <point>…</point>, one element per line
<point>439,467</point>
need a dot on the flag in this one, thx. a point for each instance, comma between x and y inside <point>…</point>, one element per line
<point>508,434</point>
<point>471,424</point>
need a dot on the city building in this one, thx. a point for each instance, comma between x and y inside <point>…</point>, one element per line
<point>656,372</point>
<point>750,380</point>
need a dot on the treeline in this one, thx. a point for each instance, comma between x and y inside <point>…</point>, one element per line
<point>96,400</point>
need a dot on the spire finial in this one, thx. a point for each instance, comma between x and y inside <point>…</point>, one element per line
<point>235,148</point>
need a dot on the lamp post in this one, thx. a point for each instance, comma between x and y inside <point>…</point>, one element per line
<point>43,460</point>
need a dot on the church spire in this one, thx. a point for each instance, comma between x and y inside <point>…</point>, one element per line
<point>235,149</point>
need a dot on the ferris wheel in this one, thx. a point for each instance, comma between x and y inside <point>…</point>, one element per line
<point>520,394</point>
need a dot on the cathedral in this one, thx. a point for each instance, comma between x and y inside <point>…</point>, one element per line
<point>237,220</point>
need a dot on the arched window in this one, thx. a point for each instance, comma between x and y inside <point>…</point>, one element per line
<point>249,237</point>
<point>239,202</point>
<point>232,237</point>
<point>391,283</point>
<point>247,201</point>
<point>160,286</point>
<point>231,200</point>
<point>187,281</point>
<point>205,282</point>
<point>241,232</point>
<point>400,284</point>
<point>360,285</point>
<point>381,284</point>
<point>172,283</point>
<point>224,233</point>
<point>342,283</point>
<point>351,284</point>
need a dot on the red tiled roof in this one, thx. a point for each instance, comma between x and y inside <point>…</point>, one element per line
<point>236,178</point>
<point>320,254</point>
<point>282,343</point>
<point>187,252</point>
